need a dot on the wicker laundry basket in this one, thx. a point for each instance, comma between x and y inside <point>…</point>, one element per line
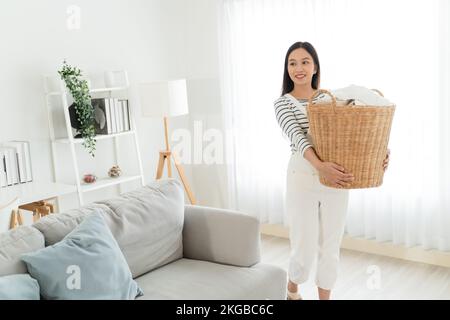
<point>355,137</point>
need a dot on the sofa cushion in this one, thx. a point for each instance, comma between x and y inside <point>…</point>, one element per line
<point>86,264</point>
<point>15,242</point>
<point>19,287</point>
<point>55,227</point>
<point>202,280</point>
<point>147,224</point>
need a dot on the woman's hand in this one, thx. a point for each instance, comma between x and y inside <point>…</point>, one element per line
<point>386,160</point>
<point>335,174</point>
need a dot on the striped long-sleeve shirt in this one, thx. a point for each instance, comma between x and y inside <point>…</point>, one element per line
<point>294,122</point>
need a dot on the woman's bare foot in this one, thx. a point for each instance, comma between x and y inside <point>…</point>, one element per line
<point>324,294</point>
<point>292,293</point>
<point>292,287</point>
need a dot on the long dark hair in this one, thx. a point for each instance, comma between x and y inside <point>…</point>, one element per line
<point>288,84</point>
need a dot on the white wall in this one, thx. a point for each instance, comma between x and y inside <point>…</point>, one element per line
<point>152,39</point>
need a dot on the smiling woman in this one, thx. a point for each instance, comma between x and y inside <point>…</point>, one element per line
<point>316,213</point>
<point>303,71</point>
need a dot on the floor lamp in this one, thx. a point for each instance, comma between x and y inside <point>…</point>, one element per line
<point>166,99</point>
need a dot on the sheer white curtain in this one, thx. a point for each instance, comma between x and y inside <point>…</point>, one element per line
<point>399,47</point>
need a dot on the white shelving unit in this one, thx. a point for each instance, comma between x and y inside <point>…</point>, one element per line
<point>63,96</point>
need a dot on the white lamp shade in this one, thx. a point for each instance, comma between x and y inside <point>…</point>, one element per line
<point>164,99</point>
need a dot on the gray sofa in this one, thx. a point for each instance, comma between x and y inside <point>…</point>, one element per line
<point>173,251</point>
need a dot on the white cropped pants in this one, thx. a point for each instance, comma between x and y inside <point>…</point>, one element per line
<point>316,216</point>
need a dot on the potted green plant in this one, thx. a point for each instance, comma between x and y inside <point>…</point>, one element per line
<point>79,89</point>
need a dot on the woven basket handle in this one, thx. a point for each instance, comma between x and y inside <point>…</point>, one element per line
<point>379,92</point>
<point>333,99</point>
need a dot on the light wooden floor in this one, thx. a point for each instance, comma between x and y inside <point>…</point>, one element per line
<point>358,274</point>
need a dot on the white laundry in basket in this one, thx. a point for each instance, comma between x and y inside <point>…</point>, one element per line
<point>358,95</point>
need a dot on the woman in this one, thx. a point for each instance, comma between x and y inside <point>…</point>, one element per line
<point>316,212</point>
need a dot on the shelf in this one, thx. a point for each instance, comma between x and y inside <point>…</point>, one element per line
<point>107,182</point>
<point>115,85</point>
<point>35,191</point>
<point>98,137</point>
<point>97,90</point>
<point>108,89</point>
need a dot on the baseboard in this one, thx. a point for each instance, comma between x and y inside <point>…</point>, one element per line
<point>415,254</point>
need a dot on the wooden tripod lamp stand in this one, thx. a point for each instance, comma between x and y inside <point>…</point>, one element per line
<point>166,99</point>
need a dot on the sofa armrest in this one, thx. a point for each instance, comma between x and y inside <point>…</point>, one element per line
<point>221,236</point>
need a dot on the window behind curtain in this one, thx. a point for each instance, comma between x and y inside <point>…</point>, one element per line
<point>399,47</point>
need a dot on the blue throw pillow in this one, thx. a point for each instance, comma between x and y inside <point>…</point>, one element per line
<point>86,264</point>
<point>19,287</point>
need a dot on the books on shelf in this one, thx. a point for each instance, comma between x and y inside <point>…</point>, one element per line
<point>15,163</point>
<point>112,115</point>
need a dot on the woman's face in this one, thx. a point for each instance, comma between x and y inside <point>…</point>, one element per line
<point>301,67</point>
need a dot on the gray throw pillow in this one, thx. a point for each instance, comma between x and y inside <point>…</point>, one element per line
<point>19,287</point>
<point>86,264</point>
